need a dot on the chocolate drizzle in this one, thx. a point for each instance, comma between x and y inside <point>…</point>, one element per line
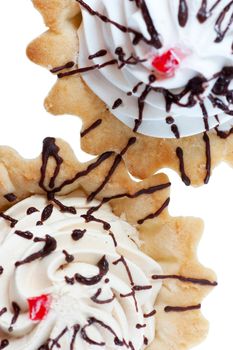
<point>70,280</point>
<point>113,238</point>
<point>99,53</point>
<point>182,308</point>
<point>65,66</point>
<point>78,234</point>
<point>144,191</point>
<point>4,343</point>
<point>46,213</point>
<point>50,150</point>
<point>175,130</point>
<point>156,214</point>
<point>221,32</point>
<point>113,168</point>
<point>89,218</point>
<point>3,311</point>
<point>201,282</point>
<point>127,269</point>
<point>140,326</point>
<point>93,126</point>
<point>205,116</point>
<point>85,172</point>
<point>91,281</point>
<point>97,301</point>
<point>154,35</point>
<point>16,312</point>
<point>183,13</point>
<point>87,69</point>
<point>151,314</point>
<point>141,106</point>
<point>31,210</point>
<point>10,197</point>
<point>24,234</point>
<point>90,341</point>
<point>12,221</point>
<point>123,61</point>
<point>224,134</point>
<point>204,13</point>
<point>208,158</point>
<point>117,103</point>
<point>69,258</point>
<point>194,89</point>
<point>61,206</point>
<point>50,246</point>
<point>55,342</point>
<point>180,155</point>
<point>76,330</point>
<point>123,261</point>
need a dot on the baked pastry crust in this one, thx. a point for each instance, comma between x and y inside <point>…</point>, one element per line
<point>193,157</point>
<point>171,241</point>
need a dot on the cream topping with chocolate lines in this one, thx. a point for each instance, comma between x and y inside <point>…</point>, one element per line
<point>146,71</point>
<point>101,289</point>
<point>71,247</point>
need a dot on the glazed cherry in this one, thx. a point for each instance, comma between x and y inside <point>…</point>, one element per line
<point>39,307</point>
<point>167,63</point>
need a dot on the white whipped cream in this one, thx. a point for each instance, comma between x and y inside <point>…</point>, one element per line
<point>72,304</point>
<point>196,40</point>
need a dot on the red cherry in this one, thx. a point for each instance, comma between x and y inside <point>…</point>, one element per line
<point>39,307</point>
<point>166,63</point>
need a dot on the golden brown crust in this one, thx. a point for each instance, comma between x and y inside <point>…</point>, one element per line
<point>71,95</point>
<point>170,241</point>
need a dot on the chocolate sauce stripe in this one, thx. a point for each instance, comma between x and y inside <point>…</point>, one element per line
<point>208,157</point>
<point>221,33</point>
<point>65,66</point>
<point>139,193</point>
<point>180,155</point>
<point>155,38</point>
<point>198,281</point>
<point>12,221</point>
<point>76,331</point>
<point>182,308</point>
<point>203,13</point>
<point>89,218</point>
<point>16,312</point>
<point>224,134</point>
<point>183,13</point>
<point>85,172</point>
<point>10,197</point>
<point>96,299</point>
<point>50,245</point>
<point>87,69</point>
<point>156,214</point>
<point>55,342</point>
<point>93,126</point>
<point>50,150</point>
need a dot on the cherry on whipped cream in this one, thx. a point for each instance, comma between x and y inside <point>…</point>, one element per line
<point>167,63</point>
<point>39,307</point>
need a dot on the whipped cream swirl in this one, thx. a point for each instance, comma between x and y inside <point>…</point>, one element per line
<point>120,39</point>
<point>97,278</point>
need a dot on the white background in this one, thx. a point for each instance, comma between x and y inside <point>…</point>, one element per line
<point>24,124</point>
